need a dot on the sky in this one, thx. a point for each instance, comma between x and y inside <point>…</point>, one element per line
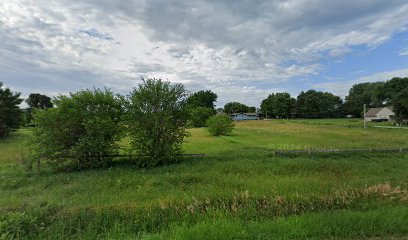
<point>242,50</point>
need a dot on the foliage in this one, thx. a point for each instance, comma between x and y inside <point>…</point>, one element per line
<point>220,124</point>
<point>202,98</point>
<point>371,94</point>
<point>9,110</point>
<point>84,125</point>
<point>236,107</point>
<point>278,105</point>
<point>312,104</point>
<point>36,101</point>
<point>396,95</point>
<point>392,88</point>
<point>157,120</point>
<point>400,103</point>
<point>199,115</point>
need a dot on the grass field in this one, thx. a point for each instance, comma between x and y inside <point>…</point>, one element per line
<point>239,190</point>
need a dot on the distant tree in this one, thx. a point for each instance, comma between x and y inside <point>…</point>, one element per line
<point>371,94</point>
<point>392,88</point>
<point>278,105</point>
<point>400,103</point>
<point>157,120</point>
<point>235,107</point>
<point>84,125</point>
<point>396,94</point>
<point>202,98</point>
<point>36,101</point>
<point>220,124</point>
<point>316,104</point>
<point>251,110</point>
<point>199,115</point>
<point>375,94</point>
<point>9,110</point>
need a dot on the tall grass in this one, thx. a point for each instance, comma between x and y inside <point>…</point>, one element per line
<point>239,190</point>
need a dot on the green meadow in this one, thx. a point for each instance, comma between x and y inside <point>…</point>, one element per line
<point>239,190</point>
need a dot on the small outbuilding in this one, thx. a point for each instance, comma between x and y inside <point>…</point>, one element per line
<point>244,116</point>
<point>381,114</point>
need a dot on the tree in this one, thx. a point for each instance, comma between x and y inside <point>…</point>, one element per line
<point>396,95</point>
<point>400,103</point>
<point>220,124</point>
<point>157,120</point>
<point>251,109</point>
<point>9,110</point>
<point>199,115</point>
<point>202,98</point>
<point>392,88</point>
<point>371,94</point>
<point>80,130</point>
<point>278,105</point>
<point>316,104</point>
<point>36,101</point>
<point>235,107</point>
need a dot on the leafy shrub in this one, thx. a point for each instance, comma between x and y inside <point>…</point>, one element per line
<point>199,115</point>
<point>84,125</point>
<point>157,120</point>
<point>220,124</point>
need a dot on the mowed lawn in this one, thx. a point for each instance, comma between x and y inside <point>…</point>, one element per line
<point>239,190</point>
<point>297,134</point>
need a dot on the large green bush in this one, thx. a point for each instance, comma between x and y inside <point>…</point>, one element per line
<point>220,124</point>
<point>80,130</point>
<point>157,120</point>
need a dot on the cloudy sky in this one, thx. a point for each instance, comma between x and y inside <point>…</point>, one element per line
<point>241,49</point>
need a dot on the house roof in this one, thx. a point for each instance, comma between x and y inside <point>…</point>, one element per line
<point>372,112</point>
<point>248,114</point>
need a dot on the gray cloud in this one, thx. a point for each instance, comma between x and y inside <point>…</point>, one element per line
<point>229,46</point>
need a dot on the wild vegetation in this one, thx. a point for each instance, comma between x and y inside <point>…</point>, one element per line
<point>238,190</point>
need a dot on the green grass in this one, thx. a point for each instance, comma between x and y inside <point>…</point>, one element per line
<point>239,190</point>
<point>295,134</point>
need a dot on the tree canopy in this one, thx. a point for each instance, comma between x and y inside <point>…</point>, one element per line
<point>9,110</point>
<point>371,94</point>
<point>236,107</point>
<point>36,100</point>
<point>202,98</point>
<point>317,104</point>
<point>278,105</point>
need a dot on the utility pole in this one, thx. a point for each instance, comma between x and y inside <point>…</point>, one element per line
<point>364,115</point>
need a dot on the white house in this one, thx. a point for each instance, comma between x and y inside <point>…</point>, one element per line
<point>380,114</point>
<point>244,116</point>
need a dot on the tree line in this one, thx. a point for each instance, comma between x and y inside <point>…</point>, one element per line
<point>81,129</point>
<point>317,104</point>
<point>201,104</point>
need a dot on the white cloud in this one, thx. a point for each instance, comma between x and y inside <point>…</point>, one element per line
<point>341,88</point>
<point>230,47</point>
<point>404,52</point>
